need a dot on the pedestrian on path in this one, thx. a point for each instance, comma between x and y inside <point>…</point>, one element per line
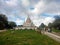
<point>50,29</point>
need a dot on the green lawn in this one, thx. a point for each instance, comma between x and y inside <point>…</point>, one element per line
<point>54,30</point>
<point>25,37</point>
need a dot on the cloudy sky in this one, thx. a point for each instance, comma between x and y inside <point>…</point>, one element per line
<point>40,11</point>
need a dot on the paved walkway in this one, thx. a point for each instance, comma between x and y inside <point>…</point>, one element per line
<point>53,36</point>
<point>2,30</point>
<point>56,33</point>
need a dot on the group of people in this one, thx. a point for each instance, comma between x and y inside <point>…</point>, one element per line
<point>48,29</point>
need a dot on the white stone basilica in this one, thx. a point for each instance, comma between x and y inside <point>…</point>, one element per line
<point>28,24</point>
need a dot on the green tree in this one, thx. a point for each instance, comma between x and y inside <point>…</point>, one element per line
<point>2,25</point>
<point>56,23</point>
<point>20,25</point>
<point>3,21</point>
<point>42,26</point>
<point>50,25</point>
<point>12,24</point>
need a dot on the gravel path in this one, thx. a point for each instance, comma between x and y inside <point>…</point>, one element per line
<point>58,33</point>
<point>53,36</point>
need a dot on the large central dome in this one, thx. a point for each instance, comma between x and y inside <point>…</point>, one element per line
<point>28,22</point>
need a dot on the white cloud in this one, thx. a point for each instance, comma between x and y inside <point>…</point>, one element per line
<point>48,20</point>
<point>19,21</point>
<point>39,7</point>
<point>25,2</point>
<point>42,6</point>
<point>37,20</point>
<point>53,8</point>
<point>47,6</point>
<point>11,2</point>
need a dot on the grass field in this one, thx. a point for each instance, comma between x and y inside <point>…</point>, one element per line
<point>54,30</point>
<point>25,37</point>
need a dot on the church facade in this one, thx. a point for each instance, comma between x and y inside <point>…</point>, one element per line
<point>28,24</point>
